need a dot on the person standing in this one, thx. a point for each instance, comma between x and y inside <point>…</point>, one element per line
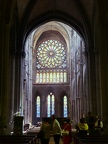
<point>67,139</point>
<point>56,129</point>
<point>46,129</point>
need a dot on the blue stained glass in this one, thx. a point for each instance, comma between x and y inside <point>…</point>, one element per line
<point>50,105</point>
<point>65,111</point>
<point>38,106</point>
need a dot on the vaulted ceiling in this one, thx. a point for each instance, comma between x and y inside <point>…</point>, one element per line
<point>81,14</point>
<point>78,13</point>
<point>80,10</point>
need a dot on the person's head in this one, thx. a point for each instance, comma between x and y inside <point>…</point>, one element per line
<point>89,113</point>
<point>46,120</point>
<point>96,117</point>
<point>67,120</point>
<point>82,120</point>
<point>53,117</point>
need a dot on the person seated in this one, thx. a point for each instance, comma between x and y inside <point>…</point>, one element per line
<point>90,120</point>
<point>82,127</point>
<point>98,125</point>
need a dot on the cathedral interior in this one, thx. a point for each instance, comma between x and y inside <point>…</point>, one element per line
<point>53,56</point>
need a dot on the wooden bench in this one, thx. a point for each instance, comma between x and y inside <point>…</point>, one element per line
<point>22,139</point>
<point>91,140</point>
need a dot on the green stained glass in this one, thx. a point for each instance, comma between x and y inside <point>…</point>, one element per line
<point>65,77</point>
<point>40,77</point>
<point>37,77</point>
<point>54,77</point>
<point>44,77</point>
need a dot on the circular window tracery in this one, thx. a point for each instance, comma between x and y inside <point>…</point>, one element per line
<point>51,54</point>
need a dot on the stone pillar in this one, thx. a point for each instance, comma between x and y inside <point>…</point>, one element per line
<point>81,81</point>
<point>5,24</point>
<point>103,98</point>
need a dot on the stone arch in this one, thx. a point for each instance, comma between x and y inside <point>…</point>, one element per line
<point>64,93</point>
<point>57,100</point>
<point>61,17</point>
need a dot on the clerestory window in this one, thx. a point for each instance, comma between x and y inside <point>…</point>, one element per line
<point>51,62</point>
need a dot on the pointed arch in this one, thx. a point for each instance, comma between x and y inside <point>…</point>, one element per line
<point>50,104</point>
<point>65,103</point>
<point>38,104</point>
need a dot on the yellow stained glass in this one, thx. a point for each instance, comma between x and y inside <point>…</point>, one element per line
<point>51,62</point>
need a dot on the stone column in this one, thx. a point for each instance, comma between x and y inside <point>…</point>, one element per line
<point>5,24</point>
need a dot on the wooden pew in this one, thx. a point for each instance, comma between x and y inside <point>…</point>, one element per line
<point>91,140</point>
<point>22,139</point>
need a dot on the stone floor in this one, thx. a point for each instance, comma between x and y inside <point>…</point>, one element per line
<point>52,141</point>
<point>34,131</point>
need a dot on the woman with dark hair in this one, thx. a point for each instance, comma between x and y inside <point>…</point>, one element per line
<point>67,139</point>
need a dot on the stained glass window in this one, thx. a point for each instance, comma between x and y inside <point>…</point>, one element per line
<point>65,110</point>
<point>50,104</point>
<point>38,106</point>
<point>51,63</point>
